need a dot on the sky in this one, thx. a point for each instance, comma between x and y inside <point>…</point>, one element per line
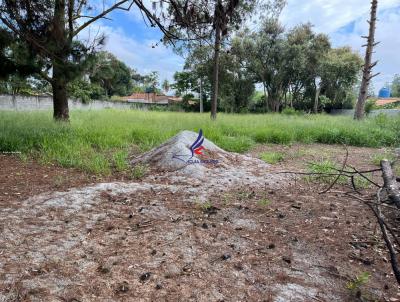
<point>345,21</point>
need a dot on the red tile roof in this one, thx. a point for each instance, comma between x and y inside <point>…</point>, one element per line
<point>151,98</point>
<point>381,102</point>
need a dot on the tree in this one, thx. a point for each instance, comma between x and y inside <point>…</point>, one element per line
<point>339,73</point>
<point>165,86</point>
<point>236,84</point>
<point>151,80</point>
<point>368,65</point>
<point>287,64</point>
<point>17,63</point>
<point>111,74</point>
<point>197,62</point>
<point>210,21</point>
<point>50,28</point>
<point>305,53</point>
<point>184,82</point>
<point>396,86</point>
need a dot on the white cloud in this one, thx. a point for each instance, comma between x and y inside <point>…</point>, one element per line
<point>331,16</point>
<point>328,16</point>
<point>139,54</point>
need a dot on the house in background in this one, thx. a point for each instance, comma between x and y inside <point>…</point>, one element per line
<point>386,101</point>
<point>152,98</point>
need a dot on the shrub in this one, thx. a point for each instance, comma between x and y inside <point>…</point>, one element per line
<point>369,106</point>
<point>272,157</point>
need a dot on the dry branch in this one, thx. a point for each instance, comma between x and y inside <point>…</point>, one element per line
<point>391,185</point>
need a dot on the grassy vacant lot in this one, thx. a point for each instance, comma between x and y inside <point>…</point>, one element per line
<point>100,141</point>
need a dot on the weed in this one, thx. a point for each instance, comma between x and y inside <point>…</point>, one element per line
<point>59,180</point>
<point>264,202</point>
<point>206,206</point>
<point>139,171</point>
<point>358,281</point>
<point>120,161</point>
<point>354,286</point>
<point>226,199</point>
<point>272,157</point>
<point>377,158</point>
<point>397,169</point>
<point>321,172</point>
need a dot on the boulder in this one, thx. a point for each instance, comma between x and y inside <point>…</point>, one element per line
<point>192,155</point>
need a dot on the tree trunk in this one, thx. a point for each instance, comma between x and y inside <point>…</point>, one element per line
<point>201,96</point>
<point>59,80</point>
<point>316,100</point>
<point>60,97</point>
<point>265,98</point>
<point>217,47</point>
<point>368,65</point>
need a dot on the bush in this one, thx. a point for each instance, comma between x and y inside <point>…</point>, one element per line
<point>369,106</point>
<point>289,111</point>
<point>272,157</point>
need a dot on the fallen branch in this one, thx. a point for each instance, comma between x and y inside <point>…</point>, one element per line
<point>392,251</point>
<point>339,175</point>
<point>390,184</point>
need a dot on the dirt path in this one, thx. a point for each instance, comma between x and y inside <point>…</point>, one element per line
<point>153,241</point>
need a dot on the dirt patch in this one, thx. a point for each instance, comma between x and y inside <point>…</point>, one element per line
<point>244,240</point>
<point>21,179</point>
<point>127,242</point>
<point>297,156</point>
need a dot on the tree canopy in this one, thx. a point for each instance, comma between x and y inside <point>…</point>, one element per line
<point>286,63</point>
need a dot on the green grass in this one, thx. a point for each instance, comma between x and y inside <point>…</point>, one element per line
<point>322,170</point>
<point>272,157</point>
<point>99,141</point>
<point>377,158</point>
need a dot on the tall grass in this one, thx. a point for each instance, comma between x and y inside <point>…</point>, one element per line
<point>100,141</point>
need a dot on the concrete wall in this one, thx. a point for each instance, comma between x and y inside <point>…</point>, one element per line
<point>390,112</point>
<point>28,103</point>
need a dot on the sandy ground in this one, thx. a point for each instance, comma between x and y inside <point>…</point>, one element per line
<point>261,239</point>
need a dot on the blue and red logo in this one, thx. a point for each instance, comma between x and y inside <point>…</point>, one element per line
<point>196,148</point>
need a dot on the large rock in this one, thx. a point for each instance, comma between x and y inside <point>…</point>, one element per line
<point>176,155</point>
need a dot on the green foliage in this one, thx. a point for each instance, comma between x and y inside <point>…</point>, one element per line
<point>236,85</point>
<point>369,106</point>
<point>84,91</point>
<point>291,111</point>
<point>323,172</point>
<point>206,206</point>
<point>381,119</point>
<point>286,63</point>
<point>322,169</point>
<point>377,158</point>
<point>339,73</point>
<point>91,138</point>
<point>120,159</point>
<point>272,157</point>
<point>139,171</point>
<point>184,82</point>
<point>358,281</point>
<point>395,87</point>
<point>112,75</point>
<point>264,202</point>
